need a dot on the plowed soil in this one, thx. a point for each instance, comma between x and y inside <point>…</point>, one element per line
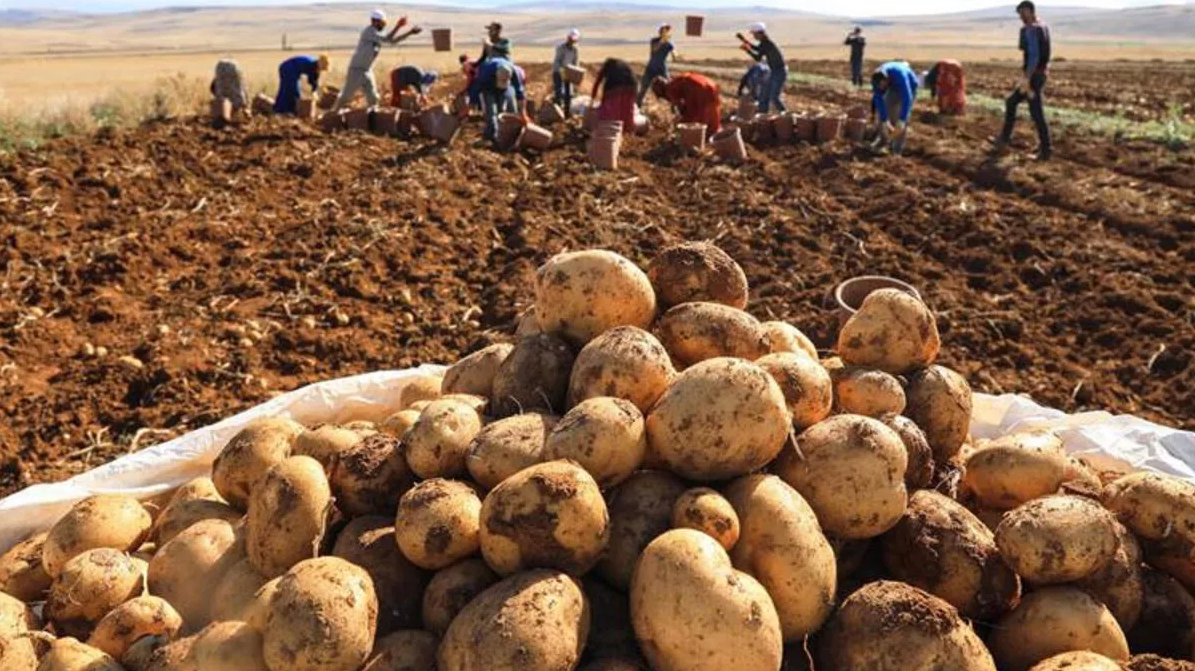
<point>158,279</point>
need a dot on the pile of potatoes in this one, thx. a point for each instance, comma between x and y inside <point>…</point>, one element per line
<point>646,477</point>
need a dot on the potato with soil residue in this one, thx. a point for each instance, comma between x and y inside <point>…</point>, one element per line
<point>187,570</point>
<point>851,470</point>
<point>720,419</point>
<point>580,295</point>
<point>640,510</point>
<point>142,616</point>
<point>1156,663</point>
<point>707,511</point>
<point>624,362</point>
<point>534,620</point>
<point>939,401</point>
<point>728,622</point>
<point>370,542</point>
<point>1153,506</point>
<point>604,435</point>
<point>102,521</point>
<point>408,650</point>
<point>228,646</point>
<point>1081,660</point>
<point>436,445</point>
<point>1012,470</point>
<point>534,377</point>
<point>610,631</point>
<point>782,546</point>
<point>288,515</point>
<point>1166,625</point>
<point>325,444</point>
<point>180,514</point>
<point>397,424</point>
<point>1057,539</point>
<point>784,337</point>
<point>940,547</point>
<point>1052,621</point>
<point>323,617</point>
<point>920,471</point>
<point>474,374</point>
<point>90,586</point>
<point>155,653</point>
<point>507,446</point>
<point>22,574</point>
<point>697,271</point>
<point>234,593</point>
<point>806,386</point>
<point>867,392</point>
<point>550,515</point>
<point>892,331</point>
<point>889,625</point>
<point>421,388</point>
<point>451,589</point>
<point>696,332</point>
<point>1119,584</point>
<point>17,653</point>
<point>437,523</point>
<point>369,477</point>
<point>250,453</point>
<point>68,654</point>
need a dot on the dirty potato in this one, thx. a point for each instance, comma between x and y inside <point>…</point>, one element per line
<point>535,376</point>
<point>102,521</point>
<point>581,295</point>
<point>1119,584</point>
<point>437,523</point>
<point>624,362</point>
<point>250,453</point>
<point>707,511</point>
<point>22,573</point>
<point>325,443</point>
<point>287,515</point>
<point>1166,625</point>
<point>939,400</point>
<point>640,510</point>
<point>397,424</point>
<point>370,542</point>
<point>1057,539</point>
<point>696,332</point>
<point>1080,660</point>
<point>228,646</point>
<point>697,271</point>
<point>604,435</point>
<point>407,650</point>
<point>234,593</point>
<point>90,586</point>
<point>451,589</point>
<point>892,331</point>
<point>1153,506</point>
<point>68,654</point>
<point>1054,620</point>
<point>806,386</point>
<point>867,392</point>
<point>784,337</point>
<point>436,445</point>
<point>420,389</point>
<point>369,476</point>
<point>323,617</point>
<point>475,373</point>
<point>187,570</point>
<point>1015,469</point>
<point>920,471</point>
<point>141,616</point>
<point>505,447</point>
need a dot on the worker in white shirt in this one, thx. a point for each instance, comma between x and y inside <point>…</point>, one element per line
<point>360,75</point>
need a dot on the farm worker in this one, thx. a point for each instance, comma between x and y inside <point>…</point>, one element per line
<point>290,72</point>
<point>893,88</point>
<point>857,43</point>
<point>229,82</point>
<point>410,77</point>
<point>1035,44</point>
<point>657,61</point>
<point>755,82</point>
<point>500,85</point>
<point>696,98</point>
<point>767,50</point>
<point>361,66</point>
<point>947,86</point>
<point>617,81</point>
<point>469,70</point>
<point>566,54</point>
<point>495,45</point>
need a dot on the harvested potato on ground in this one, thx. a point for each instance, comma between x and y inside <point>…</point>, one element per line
<point>696,332</point>
<point>228,646</point>
<point>505,447</point>
<point>250,453</point>
<point>940,547</point>
<point>920,471</point>
<point>889,625</point>
<point>288,515</point>
<point>1166,625</point>
<point>187,570</point>
<point>451,589</point>
<point>707,511</point>
<point>475,373</point>
<point>640,509</point>
<point>867,392</point>
<point>68,654</point>
<point>322,617</point>
<point>1051,621</point>
<point>1081,660</point>
<point>1057,539</point>
<point>782,546</point>
<point>1153,506</point>
<point>604,435</point>
<point>22,574</point>
<point>1119,585</point>
<point>581,295</point>
<point>102,521</point>
<point>892,331</point>
<point>534,620</point>
<point>624,362</point>
<point>697,271</point>
<point>369,542</point>
<point>420,388</point>
<point>325,443</point>
<point>939,401</point>
<point>729,620</point>
<point>369,477</point>
<point>851,470</point>
<point>233,597</point>
<point>1009,471</point>
<point>180,515</point>
<point>533,377</point>
<point>436,446</point>
<point>550,515</point>
<point>141,616</point>
<point>90,586</point>
<point>784,337</point>
<point>720,419</point>
<point>437,523</point>
<point>806,386</point>
<point>407,650</point>
<point>397,424</point>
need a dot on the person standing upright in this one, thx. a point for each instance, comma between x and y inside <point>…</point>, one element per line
<point>857,43</point>
<point>766,49</point>
<point>566,54</point>
<point>360,76</point>
<point>1035,45</point>
<point>495,45</point>
<point>657,61</point>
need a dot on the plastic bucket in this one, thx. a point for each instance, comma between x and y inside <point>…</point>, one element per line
<point>805,128</point>
<point>857,112</point>
<point>305,109</point>
<point>444,128</point>
<point>426,120</point>
<point>782,128</point>
<point>692,135</point>
<point>357,119</point>
<point>748,108</point>
<point>590,121</point>
<point>574,74</point>
<point>829,128</point>
<point>332,121</point>
<point>408,100</point>
<point>765,129</point>
<point>535,137</point>
<point>693,25</point>
<point>603,151</point>
<point>263,104</point>
<point>221,111</point>
<point>728,145</point>
<point>385,121</point>
<point>608,128</point>
<point>856,129</point>
<point>442,39</point>
<point>328,98</point>
<point>849,295</point>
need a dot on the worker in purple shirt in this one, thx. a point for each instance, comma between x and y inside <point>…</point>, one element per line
<point>1035,45</point>
<point>893,90</point>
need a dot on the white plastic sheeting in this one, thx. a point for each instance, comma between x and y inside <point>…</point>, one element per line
<point>1113,442</point>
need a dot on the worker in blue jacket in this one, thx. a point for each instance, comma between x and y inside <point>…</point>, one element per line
<point>893,90</point>
<point>289,74</point>
<point>500,86</point>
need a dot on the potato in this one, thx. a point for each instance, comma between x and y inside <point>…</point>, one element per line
<point>892,331</point>
<point>851,470</point>
<point>697,271</point>
<point>187,570</point>
<point>1057,539</point>
<point>640,510</point>
<point>475,373</point>
<point>323,617</point>
<point>90,586</point>
<point>1015,469</point>
<point>1174,556</point>
<point>550,515</point>
<point>1166,624</point>
<point>369,477</point>
<point>891,625</point>
<point>507,446</point>
<point>362,427</point>
<point>1156,663</point>
<point>22,573</point>
<point>369,542</point>
<point>420,388</point>
<point>534,620</point>
<point>528,324</point>
<point>16,618</point>
<point>1119,584</point>
<point>233,598</point>
<point>397,424</point>
<point>706,510</point>
<point>580,295</point>
<point>480,404</point>
<point>325,443</point>
<point>155,653</point>
<point>17,653</point>
<point>784,337</point>
<point>287,515</point>
<point>1153,506</point>
<point>806,386</point>
<point>867,392</point>
<point>1051,621</point>
<point>436,445</point>
<point>920,471</point>
<point>535,376</point>
<point>782,546</point>
<point>102,521</point>
<point>258,610</point>
<point>228,646</point>
<point>624,362</point>
<point>696,332</point>
<point>939,401</point>
<point>604,435</point>
<point>940,547</point>
<point>720,419</point>
<point>437,523</point>
<point>68,654</point>
<point>250,453</point>
<point>407,650</point>
<point>1080,660</point>
<point>451,589</point>
<point>729,620</point>
<point>180,515</point>
<point>142,616</point>
<point>1082,479</point>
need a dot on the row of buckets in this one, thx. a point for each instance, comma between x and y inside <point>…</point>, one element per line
<point>746,126</point>
<point>442,37</point>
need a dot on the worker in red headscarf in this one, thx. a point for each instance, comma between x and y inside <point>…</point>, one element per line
<point>695,97</point>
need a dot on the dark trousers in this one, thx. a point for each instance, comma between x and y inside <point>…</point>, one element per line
<point>562,91</point>
<point>857,72</point>
<point>1037,83</point>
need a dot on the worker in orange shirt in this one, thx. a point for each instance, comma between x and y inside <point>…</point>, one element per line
<point>695,97</point>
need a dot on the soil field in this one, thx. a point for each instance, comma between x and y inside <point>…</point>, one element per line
<point>159,279</point>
